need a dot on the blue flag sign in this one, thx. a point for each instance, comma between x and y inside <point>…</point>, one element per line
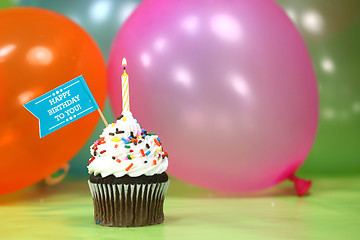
<point>62,105</point>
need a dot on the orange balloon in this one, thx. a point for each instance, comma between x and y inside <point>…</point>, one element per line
<point>40,50</point>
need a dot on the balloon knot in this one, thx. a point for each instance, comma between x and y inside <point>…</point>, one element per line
<point>302,186</point>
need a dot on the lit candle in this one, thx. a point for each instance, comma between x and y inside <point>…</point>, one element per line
<point>125,88</point>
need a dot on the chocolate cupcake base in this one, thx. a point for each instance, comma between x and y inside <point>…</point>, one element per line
<point>128,205</point>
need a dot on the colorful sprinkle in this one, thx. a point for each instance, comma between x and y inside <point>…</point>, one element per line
<point>118,160</point>
<point>92,159</point>
<point>154,162</point>
<point>119,117</point>
<point>113,157</point>
<point>112,134</point>
<point>151,134</point>
<point>124,140</point>
<point>142,152</point>
<point>124,119</point>
<point>116,145</point>
<point>157,142</point>
<point>116,139</point>
<point>145,161</point>
<point>128,168</point>
<point>129,157</point>
<point>127,146</point>
<point>113,125</point>
<point>158,139</point>
<point>102,151</point>
<point>131,150</point>
<point>147,153</point>
<point>119,132</point>
<point>144,136</point>
<point>147,145</point>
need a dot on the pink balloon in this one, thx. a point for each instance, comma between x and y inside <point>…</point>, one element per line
<point>227,85</point>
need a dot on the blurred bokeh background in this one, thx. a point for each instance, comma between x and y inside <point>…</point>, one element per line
<point>331,30</point>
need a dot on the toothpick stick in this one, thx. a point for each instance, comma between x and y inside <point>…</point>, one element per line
<point>102,117</point>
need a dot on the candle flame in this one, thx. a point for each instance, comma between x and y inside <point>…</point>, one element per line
<point>124,62</point>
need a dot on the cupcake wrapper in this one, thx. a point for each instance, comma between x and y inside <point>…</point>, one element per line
<point>128,205</point>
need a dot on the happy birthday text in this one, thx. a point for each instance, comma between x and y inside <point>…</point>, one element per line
<point>68,104</point>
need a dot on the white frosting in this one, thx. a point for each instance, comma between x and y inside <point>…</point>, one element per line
<point>106,165</point>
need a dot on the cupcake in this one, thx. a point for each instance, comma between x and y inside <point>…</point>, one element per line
<point>128,182</point>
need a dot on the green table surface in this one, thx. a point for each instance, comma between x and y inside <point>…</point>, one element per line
<point>65,211</point>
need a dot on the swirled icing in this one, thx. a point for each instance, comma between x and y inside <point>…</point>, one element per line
<point>124,148</point>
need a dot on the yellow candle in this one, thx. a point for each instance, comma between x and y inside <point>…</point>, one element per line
<point>125,88</point>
